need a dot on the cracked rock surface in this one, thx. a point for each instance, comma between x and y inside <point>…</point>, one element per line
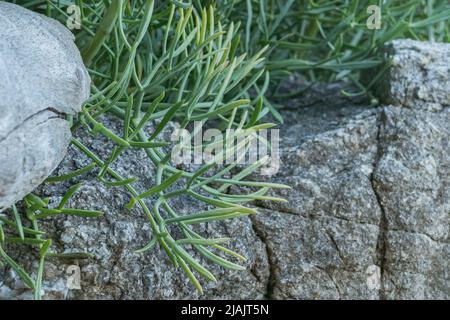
<point>373,194</point>
<point>369,213</point>
<point>367,217</point>
<point>42,77</point>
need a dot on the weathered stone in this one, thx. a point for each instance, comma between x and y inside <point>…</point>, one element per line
<point>414,154</point>
<point>412,181</point>
<point>419,76</point>
<point>390,211</point>
<point>318,258</point>
<point>322,242</point>
<point>42,77</point>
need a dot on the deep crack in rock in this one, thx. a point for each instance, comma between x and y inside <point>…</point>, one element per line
<point>383,227</point>
<point>271,280</point>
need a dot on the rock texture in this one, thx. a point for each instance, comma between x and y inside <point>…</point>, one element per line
<point>367,218</point>
<point>418,76</point>
<point>370,194</point>
<point>41,78</point>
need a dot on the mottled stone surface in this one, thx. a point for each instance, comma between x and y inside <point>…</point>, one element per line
<point>419,76</point>
<point>367,217</point>
<point>41,78</point>
<point>380,181</point>
<point>382,200</point>
<point>415,154</point>
<point>322,242</point>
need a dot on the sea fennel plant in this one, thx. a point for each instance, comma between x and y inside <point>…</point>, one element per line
<point>157,62</point>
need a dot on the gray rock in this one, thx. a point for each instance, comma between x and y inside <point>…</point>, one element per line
<point>419,76</point>
<point>42,77</point>
<point>373,194</point>
<point>367,217</point>
<point>412,181</point>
